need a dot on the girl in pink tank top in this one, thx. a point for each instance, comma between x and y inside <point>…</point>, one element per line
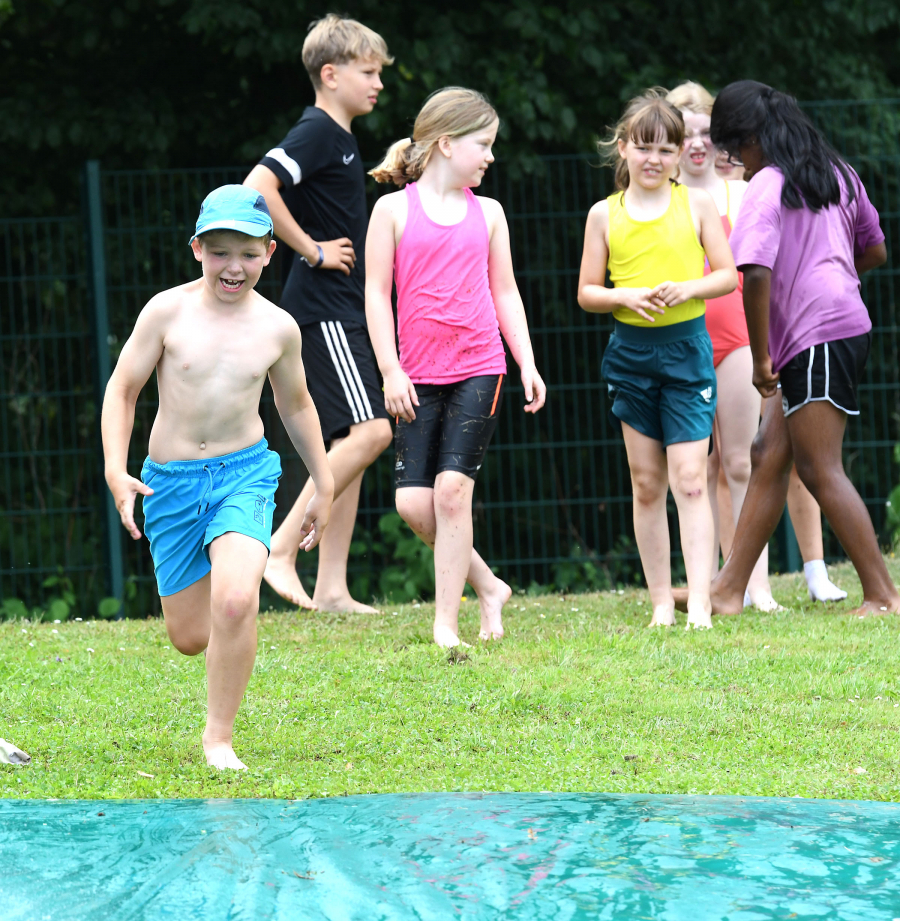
<point>448,254</point>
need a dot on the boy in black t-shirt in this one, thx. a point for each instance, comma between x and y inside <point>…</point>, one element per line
<point>314,185</point>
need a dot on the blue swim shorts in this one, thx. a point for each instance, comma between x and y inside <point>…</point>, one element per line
<point>196,501</point>
<point>662,381</point>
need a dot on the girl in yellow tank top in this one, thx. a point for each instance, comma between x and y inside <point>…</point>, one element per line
<point>652,235</point>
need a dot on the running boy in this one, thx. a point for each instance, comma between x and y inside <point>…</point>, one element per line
<point>653,234</point>
<point>209,480</point>
<point>314,184</point>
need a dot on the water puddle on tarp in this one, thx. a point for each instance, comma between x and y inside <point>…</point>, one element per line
<point>443,856</point>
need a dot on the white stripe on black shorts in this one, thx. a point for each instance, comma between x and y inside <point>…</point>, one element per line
<point>830,371</point>
<point>341,375</point>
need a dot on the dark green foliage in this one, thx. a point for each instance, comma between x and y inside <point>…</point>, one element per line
<point>155,83</point>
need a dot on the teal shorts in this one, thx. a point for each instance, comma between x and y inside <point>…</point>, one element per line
<point>662,381</point>
<point>196,501</point>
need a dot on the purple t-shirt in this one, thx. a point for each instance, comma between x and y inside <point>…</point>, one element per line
<point>815,288</point>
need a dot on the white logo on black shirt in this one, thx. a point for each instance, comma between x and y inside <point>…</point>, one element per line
<point>348,159</point>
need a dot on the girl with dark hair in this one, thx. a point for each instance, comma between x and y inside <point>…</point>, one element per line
<point>805,233</point>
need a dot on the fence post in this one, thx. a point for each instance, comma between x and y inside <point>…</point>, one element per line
<point>115,576</point>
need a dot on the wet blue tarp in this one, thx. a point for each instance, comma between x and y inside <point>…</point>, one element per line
<point>445,856</point>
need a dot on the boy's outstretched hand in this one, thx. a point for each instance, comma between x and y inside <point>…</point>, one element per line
<point>315,520</point>
<point>125,489</point>
<point>535,389</point>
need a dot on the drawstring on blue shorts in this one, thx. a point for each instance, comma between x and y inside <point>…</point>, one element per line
<point>207,494</point>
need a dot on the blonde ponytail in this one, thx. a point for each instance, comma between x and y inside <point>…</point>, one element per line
<point>451,112</point>
<point>405,161</point>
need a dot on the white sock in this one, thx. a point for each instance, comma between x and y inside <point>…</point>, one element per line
<point>821,588</point>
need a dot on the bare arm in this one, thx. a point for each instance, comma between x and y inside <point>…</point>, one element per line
<point>298,413</point>
<point>508,304</point>
<point>757,286</point>
<point>723,276</point>
<point>871,258</point>
<point>138,358</point>
<point>399,393</point>
<point>339,254</point>
<point>593,295</point>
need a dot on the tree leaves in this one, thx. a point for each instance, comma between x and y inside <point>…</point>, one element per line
<point>157,83</point>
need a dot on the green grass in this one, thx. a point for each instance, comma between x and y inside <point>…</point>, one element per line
<point>579,697</point>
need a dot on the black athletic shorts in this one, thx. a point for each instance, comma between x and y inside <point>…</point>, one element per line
<point>452,430</point>
<point>831,371</point>
<point>341,376</point>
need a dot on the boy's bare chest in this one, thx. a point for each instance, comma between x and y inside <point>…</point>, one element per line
<point>234,355</point>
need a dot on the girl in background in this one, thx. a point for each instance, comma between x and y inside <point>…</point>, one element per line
<point>449,254</point>
<point>653,235</point>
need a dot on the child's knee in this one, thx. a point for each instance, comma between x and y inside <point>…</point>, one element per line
<point>737,466</point>
<point>452,497</point>
<point>690,484</point>
<point>647,487</point>
<point>189,644</point>
<point>235,603</point>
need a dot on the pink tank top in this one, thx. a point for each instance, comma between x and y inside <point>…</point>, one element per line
<point>446,319</point>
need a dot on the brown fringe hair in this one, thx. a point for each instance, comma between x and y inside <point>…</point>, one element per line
<point>646,118</point>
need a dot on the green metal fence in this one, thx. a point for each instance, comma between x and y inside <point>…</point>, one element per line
<point>553,503</point>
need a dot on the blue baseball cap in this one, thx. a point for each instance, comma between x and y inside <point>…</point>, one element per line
<point>234,207</point>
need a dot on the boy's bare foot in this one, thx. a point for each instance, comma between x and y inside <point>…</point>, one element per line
<point>447,638</point>
<point>281,574</point>
<point>343,604</point>
<point>761,600</point>
<point>877,608</point>
<point>663,616</point>
<point>491,604</point>
<point>722,601</point>
<point>221,755</point>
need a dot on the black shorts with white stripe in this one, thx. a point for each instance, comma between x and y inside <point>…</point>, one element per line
<point>341,375</point>
<point>830,371</point>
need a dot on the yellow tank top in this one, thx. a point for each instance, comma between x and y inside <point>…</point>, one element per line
<point>644,253</point>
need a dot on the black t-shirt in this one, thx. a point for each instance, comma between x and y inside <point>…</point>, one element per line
<point>324,187</point>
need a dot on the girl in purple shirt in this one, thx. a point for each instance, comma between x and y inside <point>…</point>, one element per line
<point>805,234</point>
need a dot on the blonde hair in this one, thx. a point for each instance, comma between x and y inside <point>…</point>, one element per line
<point>451,112</point>
<point>693,97</point>
<point>645,118</point>
<point>336,40</point>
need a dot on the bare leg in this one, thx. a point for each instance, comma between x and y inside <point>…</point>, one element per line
<point>713,469</point>
<point>348,458</point>
<point>806,517</point>
<point>726,514</point>
<point>817,433</point>
<point>332,593</point>
<point>687,479</point>
<point>416,507</point>
<point>650,486</point>
<point>218,613</point>
<point>737,416</point>
<point>187,617</point>
<point>771,458</point>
